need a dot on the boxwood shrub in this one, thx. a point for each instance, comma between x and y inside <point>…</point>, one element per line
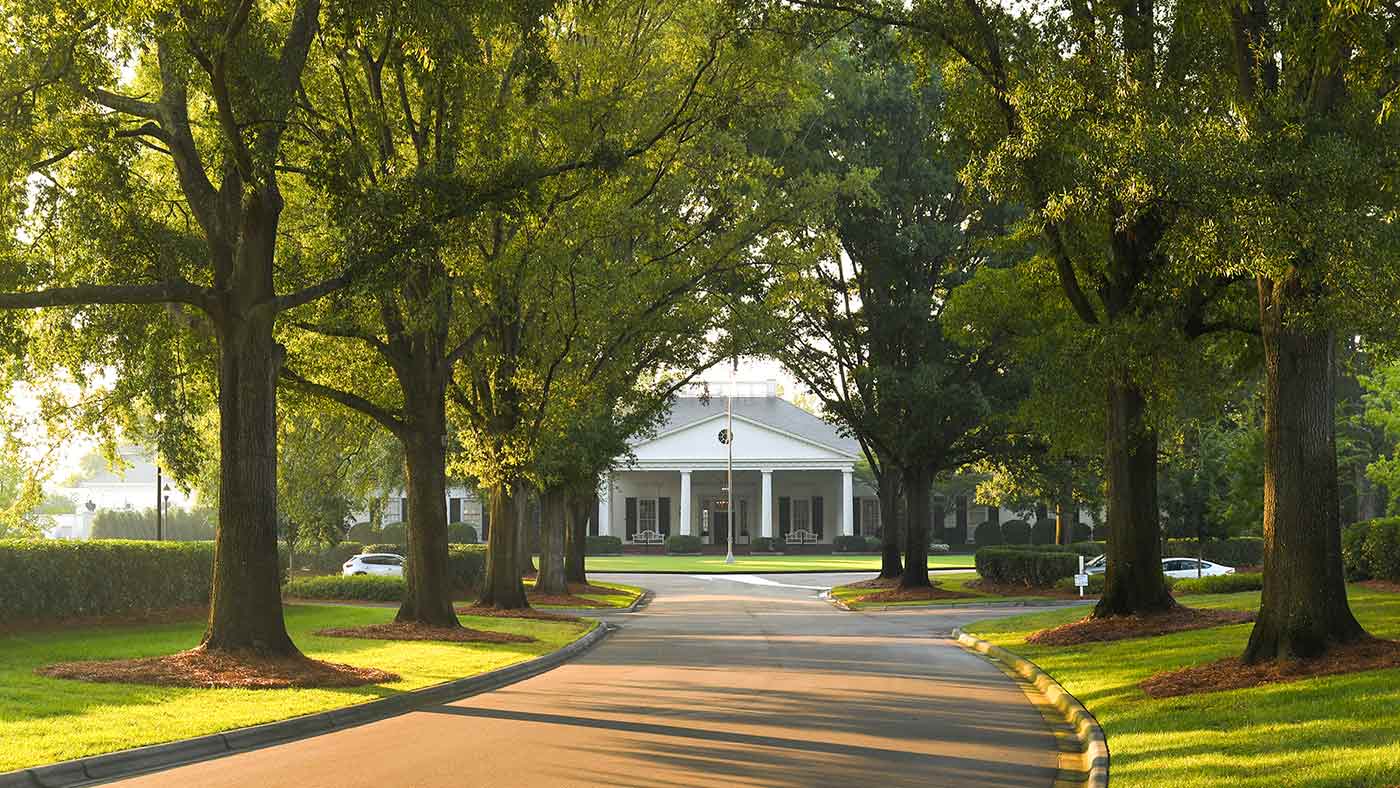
<point>603,545</point>
<point>1371,550</point>
<point>680,543</point>
<point>396,549</point>
<point>1219,584</point>
<point>1043,531</point>
<point>53,579</point>
<point>1088,549</point>
<point>362,588</point>
<point>766,544</point>
<point>1027,567</point>
<point>1016,532</point>
<point>850,543</point>
<point>1094,588</point>
<point>461,533</point>
<point>467,565</point>
<point>1236,551</point>
<point>330,559</point>
<point>987,534</point>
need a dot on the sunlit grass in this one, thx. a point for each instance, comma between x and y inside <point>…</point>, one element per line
<point>623,596</point>
<point>951,582</point>
<point>1330,731</point>
<point>43,720</point>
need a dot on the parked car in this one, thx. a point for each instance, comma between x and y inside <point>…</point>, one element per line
<point>388,564</point>
<point>1171,567</point>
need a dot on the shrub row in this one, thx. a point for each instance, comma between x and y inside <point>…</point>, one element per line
<point>854,544</point>
<point>1094,588</point>
<point>602,545</point>
<point>1027,567</point>
<point>1219,584</point>
<point>1371,550</point>
<point>361,588</point>
<point>177,525</point>
<point>679,544</point>
<point>56,579</point>
<point>329,559</point>
<point>1020,532</point>
<point>1236,551</point>
<point>766,544</point>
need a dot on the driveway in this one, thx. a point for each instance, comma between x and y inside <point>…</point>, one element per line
<point>737,680</point>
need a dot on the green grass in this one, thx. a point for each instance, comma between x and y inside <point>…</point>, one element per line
<point>951,582</point>
<point>751,564</point>
<point>624,595</point>
<point>1329,731</point>
<point>43,720</point>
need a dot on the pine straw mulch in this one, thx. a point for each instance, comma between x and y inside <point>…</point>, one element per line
<point>1231,673</point>
<point>207,669</point>
<point>1385,586</point>
<point>1099,630</point>
<point>875,582</point>
<point>395,630</point>
<point>525,612</point>
<point>1012,589</point>
<point>913,595</point>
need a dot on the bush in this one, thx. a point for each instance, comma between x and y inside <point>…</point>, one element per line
<point>363,533</point>
<point>396,549</point>
<point>766,544</point>
<point>56,579</point>
<point>1088,549</point>
<point>1021,566</point>
<point>1354,560</point>
<point>1083,533</point>
<point>682,544</point>
<point>1043,532</point>
<point>1219,584</point>
<point>850,544</point>
<point>1382,549</point>
<point>1094,588</point>
<point>1016,532</point>
<point>603,545</point>
<point>938,548</point>
<point>179,525</point>
<point>364,588</point>
<point>394,533</point>
<point>461,533</point>
<point>987,535</point>
<point>874,544</point>
<point>1239,551</point>
<point>332,558</point>
<point>466,563</point>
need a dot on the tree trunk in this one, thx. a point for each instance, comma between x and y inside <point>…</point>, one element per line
<point>890,530</point>
<point>428,592</point>
<point>501,588</point>
<point>525,521</point>
<point>245,606</point>
<point>1065,520</point>
<point>554,526</point>
<point>1304,607</point>
<point>1133,583</point>
<point>916,484</point>
<point>576,545</point>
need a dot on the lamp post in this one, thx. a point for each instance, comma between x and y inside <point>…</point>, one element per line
<point>160,509</point>
<point>160,523</point>
<point>729,444</point>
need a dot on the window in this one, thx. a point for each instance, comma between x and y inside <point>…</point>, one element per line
<point>454,510</point>
<point>646,514</point>
<point>870,516</point>
<point>801,514</point>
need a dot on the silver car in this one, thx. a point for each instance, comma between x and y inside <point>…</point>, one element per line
<point>386,564</point>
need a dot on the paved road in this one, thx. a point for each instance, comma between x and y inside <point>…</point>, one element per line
<point>722,681</point>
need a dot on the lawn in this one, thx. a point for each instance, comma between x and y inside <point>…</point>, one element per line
<point>950,582</point>
<point>751,564</point>
<point>1330,731</point>
<point>43,720</point>
<point>623,595</point>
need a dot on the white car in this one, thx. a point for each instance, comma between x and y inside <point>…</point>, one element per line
<point>387,564</point>
<point>1171,567</point>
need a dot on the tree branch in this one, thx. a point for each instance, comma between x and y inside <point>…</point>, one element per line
<point>172,292</point>
<point>345,398</point>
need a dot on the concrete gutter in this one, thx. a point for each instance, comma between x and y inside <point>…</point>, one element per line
<point>1093,743</point>
<point>140,760</point>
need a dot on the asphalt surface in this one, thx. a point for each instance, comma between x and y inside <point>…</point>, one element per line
<point>739,680</point>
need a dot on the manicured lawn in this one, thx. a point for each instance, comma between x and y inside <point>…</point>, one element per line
<point>43,720</point>
<point>623,595</point>
<point>1329,731</point>
<point>751,564</point>
<point>951,582</point>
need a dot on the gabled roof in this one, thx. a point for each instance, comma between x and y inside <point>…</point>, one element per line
<point>774,412</point>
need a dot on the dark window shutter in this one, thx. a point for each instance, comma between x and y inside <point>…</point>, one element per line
<point>784,516</point>
<point>403,510</point>
<point>817,515</point>
<point>855,515</point>
<point>631,518</point>
<point>663,516</point>
<point>454,510</point>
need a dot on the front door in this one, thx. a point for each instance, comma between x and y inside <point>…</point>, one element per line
<point>719,521</point>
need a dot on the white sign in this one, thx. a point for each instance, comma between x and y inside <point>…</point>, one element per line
<point>1081,581</point>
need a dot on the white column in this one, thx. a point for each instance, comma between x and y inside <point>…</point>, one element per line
<point>766,524</point>
<point>605,507</point>
<point>685,503</point>
<point>847,492</point>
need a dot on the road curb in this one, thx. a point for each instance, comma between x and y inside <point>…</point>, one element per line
<point>140,760</point>
<point>1094,744</point>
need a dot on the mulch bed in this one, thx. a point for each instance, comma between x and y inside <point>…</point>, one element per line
<point>1011,589</point>
<point>407,631</point>
<point>199,667</point>
<point>1228,674</point>
<point>562,600</point>
<point>913,595</point>
<point>1381,585</point>
<point>527,612</point>
<point>1099,630</point>
<point>584,588</point>
<point>875,582</point>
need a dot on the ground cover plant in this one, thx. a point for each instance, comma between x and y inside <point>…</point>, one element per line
<point>1321,731</point>
<point>43,720</point>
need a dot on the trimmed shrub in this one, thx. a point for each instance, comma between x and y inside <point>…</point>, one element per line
<point>394,533</point>
<point>1043,532</point>
<point>1095,586</point>
<point>850,544</point>
<point>1354,560</point>
<point>461,533</point>
<point>766,544</point>
<point>1049,548</point>
<point>1239,551</point>
<point>396,549</point>
<point>332,558</point>
<point>1083,533</point>
<point>679,543</point>
<point>1219,584</point>
<point>987,535</point>
<point>55,579</point>
<point>363,588</point>
<point>1088,549</point>
<point>1021,566</point>
<point>603,545</point>
<point>1382,549</point>
<point>874,544</point>
<point>466,563</point>
<point>178,525</point>
<point>1016,532</point>
<point>938,548</point>
<point>363,533</point>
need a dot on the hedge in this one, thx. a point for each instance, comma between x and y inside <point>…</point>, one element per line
<point>1016,532</point>
<point>1027,567</point>
<point>54,579</point>
<point>1088,549</point>
<point>850,543</point>
<point>766,544</point>
<point>331,559</point>
<point>178,525</point>
<point>1043,532</point>
<point>1238,551</point>
<point>396,549</point>
<point>393,533</point>
<point>1371,550</point>
<point>1094,588</point>
<point>987,534</point>
<point>466,563</point>
<point>682,543</point>
<point>939,547</point>
<point>366,588</point>
<point>1219,584</point>
<point>461,533</point>
<point>603,545</point>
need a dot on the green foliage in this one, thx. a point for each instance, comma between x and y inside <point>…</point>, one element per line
<point>20,495</point>
<point>57,579</point>
<point>988,534</point>
<point>180,525</point>
<point>1371,550</point>
<point>603,545</point>
<point>850,544</point>
<point>1094,588</point>
<point>1043,531</point>
<point>1238,552</point>
<point>1029,567</point>
<point>333,558</point>
<point>1017,532</point>
<point>361,588</point>
<point>385,547</point>
<point>766,544</point>
<point>461,533</point>
<point>364,533</point>
<point>394,532</point>
<point>466,565</point>
<point>678,544</point>
<point>1219,584</point>
<point>1088,549</point>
